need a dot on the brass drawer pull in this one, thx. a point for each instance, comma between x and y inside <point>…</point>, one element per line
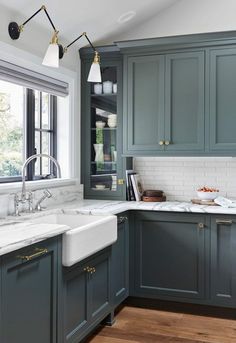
<point>161,143</point>
<point>90,270</point>
<point>224,221</point>
<point>167,142</point>
<point>122,220</point>
<point>38,252</point>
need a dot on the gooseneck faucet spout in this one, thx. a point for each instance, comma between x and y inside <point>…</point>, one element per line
<point>31,158</point>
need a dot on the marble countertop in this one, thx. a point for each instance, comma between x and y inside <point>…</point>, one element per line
<point>16,233</point>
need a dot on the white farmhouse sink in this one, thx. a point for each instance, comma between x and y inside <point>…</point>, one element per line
<point>88,234</point>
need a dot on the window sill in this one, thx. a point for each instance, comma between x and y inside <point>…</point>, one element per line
<point>39,184</point>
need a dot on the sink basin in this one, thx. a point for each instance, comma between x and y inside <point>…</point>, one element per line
<point>88,234</point>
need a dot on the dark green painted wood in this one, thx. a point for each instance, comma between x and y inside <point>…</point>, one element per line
<point>29,291</point>
<point>169,255</point>
<point>100,286</point>
<point>76,302</point>
<point>120,262</point>
<point>223,100</point>
<point>86,296</point>
<point>122,163</point>
<point>184,101</point>
<point>144,116</point>
<point>223,257</point>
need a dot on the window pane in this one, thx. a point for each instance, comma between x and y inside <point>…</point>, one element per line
<point>37,109</point>
<point>11,129</point>
<point>45,150</point>
<point>45,111</point>
<point>38,149</point>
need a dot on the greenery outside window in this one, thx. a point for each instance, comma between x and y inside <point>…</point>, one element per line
<point>27,126</point>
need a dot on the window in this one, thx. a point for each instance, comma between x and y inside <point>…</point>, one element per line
<point>27,126</point>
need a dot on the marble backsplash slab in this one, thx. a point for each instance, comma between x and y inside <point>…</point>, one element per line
<point>60,195</point>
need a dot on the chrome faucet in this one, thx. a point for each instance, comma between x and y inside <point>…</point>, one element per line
<point>24,197</point>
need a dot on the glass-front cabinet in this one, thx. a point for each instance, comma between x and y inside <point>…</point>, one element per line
<point>102,164</point>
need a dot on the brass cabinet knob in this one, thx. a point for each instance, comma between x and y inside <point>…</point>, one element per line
<point>167,142</point>
<point>201,225</point>
<point>161,143</point>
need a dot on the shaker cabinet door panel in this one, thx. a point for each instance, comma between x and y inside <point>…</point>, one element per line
<point>223,257</point>
<point>223,100</point>
<point>29,295</point>
<point>99,286</point>
<point>75,302</point>
<point>120,263</point>
<point>184,101</point>
<point>145,101</point>
<point>169,255</point>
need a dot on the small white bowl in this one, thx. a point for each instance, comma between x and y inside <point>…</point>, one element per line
<point>100,124</point>
<point>100,186</point>
<point>207,195</point>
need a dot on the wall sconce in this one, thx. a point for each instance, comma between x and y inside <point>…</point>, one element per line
<point>55,51</point>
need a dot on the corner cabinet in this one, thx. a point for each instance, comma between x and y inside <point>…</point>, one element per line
<point>164,103</point>
<point>169,255</point>
<point>29,294</point>
<point>103,167</point>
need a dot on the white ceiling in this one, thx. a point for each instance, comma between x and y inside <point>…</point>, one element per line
<point>98,18</point>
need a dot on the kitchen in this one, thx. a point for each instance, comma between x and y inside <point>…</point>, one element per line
<point>88,121</point>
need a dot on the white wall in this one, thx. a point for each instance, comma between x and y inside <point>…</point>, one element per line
<point>179,177</point>
<point>187,17</point>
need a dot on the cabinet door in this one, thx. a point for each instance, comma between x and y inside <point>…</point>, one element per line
<point>29,294</point>
<point>169,255</point>
<point>120,262</point>
<point>223,257</point>
<point>223,100</point>
<point>184,101</point>
<point>144,122</point>
<point>75,307</point>
<point>99,286</point>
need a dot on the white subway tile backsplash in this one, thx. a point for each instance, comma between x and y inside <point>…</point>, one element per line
<point>179,177</point>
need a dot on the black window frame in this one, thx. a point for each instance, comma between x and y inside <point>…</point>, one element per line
<point>30,130</point>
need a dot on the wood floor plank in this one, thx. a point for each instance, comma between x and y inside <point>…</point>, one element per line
<point>138,325</point>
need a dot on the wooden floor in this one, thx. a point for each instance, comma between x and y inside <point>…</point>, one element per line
<point>138,325</point>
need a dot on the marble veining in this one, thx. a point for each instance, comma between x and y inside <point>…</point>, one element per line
<point>16,233</point>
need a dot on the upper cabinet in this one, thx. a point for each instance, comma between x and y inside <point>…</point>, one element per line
<point>165,103</point>
<point>184,102</point>
<point>103,167</point>
<point>144,120</point>
<point>223,100</point>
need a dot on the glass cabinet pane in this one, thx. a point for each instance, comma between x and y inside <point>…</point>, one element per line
<point>104,132</point>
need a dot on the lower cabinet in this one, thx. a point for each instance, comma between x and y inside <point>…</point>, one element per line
<point>120,262</point>
<point>169,255</point>
<point>223,257</point>
<point>29,294</point>
<point>86,295</point>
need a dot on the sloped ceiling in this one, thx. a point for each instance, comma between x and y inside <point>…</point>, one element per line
<point>98,18</point>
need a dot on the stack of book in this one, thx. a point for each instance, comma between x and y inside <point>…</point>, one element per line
<point>134,187</point>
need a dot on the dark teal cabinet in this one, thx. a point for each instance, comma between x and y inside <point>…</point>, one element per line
<point>164,103</point>
<point>103,167</point>
<point>120,262</point>
<point>86,295</point>
<point>169,255</point>
<point>184,102</point>
<point>29,294</point>
<point>144,119</point>
<point>223,257</point>
<point>223,100</point>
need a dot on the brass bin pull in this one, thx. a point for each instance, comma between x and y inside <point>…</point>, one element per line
<point>38,252</point>
<point>224,221</point>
